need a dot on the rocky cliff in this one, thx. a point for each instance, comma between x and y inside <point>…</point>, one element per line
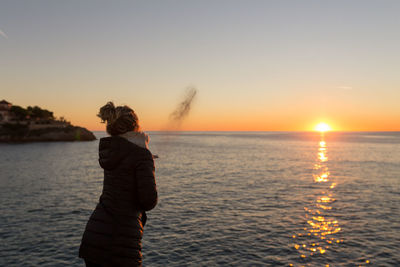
<point>22,133</point>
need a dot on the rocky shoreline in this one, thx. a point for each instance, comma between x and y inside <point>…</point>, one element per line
<point>19,133</point>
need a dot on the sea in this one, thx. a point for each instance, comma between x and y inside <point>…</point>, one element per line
<point>225,199</point>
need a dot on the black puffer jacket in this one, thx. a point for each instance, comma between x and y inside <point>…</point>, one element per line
<point>114,231</point>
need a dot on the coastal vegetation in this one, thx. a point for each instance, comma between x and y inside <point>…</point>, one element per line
<point>18,124</point>
<point>31,113</point>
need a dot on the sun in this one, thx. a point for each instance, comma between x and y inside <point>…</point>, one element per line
<point>322,127</point>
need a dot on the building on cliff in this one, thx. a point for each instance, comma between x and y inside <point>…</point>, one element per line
<point>5,114</point>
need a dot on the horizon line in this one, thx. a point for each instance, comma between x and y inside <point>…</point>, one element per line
<point>293,131</point>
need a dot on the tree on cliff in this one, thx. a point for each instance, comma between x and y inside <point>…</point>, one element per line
<point>19,112</point>
<point>38,113</point>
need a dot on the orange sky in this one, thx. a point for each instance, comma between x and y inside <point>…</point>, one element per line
<point>259,67</point>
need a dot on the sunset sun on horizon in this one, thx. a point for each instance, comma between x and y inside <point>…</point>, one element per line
<point>322,127</point>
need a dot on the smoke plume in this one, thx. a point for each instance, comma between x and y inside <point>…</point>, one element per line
<point>175,120</point>
<point>183,108</point>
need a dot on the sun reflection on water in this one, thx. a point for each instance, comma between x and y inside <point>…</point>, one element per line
<point>319,234</point>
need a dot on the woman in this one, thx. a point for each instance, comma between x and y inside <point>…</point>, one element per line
<point>114,231</point>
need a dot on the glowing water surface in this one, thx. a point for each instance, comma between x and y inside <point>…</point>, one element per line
<point>225,199</point>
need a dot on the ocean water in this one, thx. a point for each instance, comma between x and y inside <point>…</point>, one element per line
<point>225,199</point>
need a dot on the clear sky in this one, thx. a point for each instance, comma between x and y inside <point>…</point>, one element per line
<point>257,65</point>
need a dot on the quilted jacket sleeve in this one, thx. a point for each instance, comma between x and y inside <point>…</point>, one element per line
<point>146,184</point>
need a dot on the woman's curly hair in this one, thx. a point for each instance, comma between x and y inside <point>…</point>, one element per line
<point>119,119</point>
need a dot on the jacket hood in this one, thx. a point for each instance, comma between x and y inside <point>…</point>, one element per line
<point>112,150</point>
<point>138,138</point>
